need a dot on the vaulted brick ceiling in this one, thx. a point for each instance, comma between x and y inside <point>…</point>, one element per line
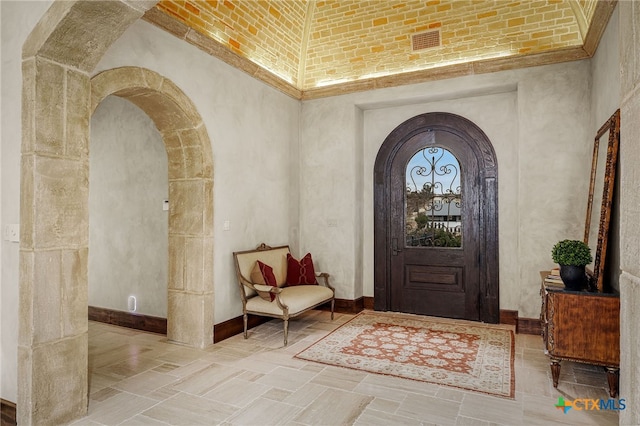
<point>315,48</point>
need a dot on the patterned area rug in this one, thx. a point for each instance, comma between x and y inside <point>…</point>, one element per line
<point>464,354</point>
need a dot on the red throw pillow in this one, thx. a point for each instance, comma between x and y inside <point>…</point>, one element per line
<point>263,274</point>
<point>300,272</point>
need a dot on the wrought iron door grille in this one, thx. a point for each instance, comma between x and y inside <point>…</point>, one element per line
<point>433,200</point>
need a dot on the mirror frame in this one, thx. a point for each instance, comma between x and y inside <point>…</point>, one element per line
<point>612,126</point>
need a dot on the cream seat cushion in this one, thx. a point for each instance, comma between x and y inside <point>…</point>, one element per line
<point>297,298</point>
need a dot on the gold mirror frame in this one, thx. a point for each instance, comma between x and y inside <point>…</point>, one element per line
<point>603,174</point>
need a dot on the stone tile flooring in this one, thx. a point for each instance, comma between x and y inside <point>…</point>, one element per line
<point>139,378</point>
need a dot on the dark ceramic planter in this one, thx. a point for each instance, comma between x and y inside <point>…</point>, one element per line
<point>573,277</point>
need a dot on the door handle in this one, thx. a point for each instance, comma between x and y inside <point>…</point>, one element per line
<point>394,247</point>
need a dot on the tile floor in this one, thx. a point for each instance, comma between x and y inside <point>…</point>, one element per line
<point>139,378</point>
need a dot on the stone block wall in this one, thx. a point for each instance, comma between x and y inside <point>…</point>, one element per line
<point>630,210</point>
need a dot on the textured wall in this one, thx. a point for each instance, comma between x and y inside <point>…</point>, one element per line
<point>492,107</point>
<point>630,210</point>
<point>605,67</point>
<point>537,120</point>
<point>252,129</point>
<point>128,234</point>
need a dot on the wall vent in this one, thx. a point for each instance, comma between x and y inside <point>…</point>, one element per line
<point>425,40</point>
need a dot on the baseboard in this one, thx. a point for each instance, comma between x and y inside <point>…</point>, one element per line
<point>344,306</point>
<point>8,416</point>
<point>523,325</point>
<point>368,303</point>
<point>508,317</point>
<point>221,331</point>
<point>129,319</point>
<point>529,326</point>
<point>235,326</point>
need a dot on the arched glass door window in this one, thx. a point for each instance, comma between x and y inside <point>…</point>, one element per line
<point>433,199</point>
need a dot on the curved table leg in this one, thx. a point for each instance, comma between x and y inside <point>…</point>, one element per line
<point>613,377</point>
<point>555,371</point>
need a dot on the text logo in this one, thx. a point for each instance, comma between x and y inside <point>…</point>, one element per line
<point>584,404</point>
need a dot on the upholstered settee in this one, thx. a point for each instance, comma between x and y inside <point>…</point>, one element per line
<point>270,287</point>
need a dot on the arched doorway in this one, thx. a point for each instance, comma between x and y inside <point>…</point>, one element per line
<point>190,292</point>
<point>58,99</point>
<point>450,267</point>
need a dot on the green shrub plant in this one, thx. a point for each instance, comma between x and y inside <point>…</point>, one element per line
<point>571,252</point>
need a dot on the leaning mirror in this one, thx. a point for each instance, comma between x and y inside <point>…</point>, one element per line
<point>603,171</point>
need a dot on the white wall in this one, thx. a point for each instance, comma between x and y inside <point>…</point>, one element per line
<point>605,68</point>
<point>128,229</point>
<point>536,119</point>
<point>252,128</point>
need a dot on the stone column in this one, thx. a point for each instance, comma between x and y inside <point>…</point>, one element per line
<point>58,56</point>
<point>52,347</point>
<point>190,300</point>
<point>630,210</point>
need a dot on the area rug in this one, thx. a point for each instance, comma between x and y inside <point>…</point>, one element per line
<point>463,354</point>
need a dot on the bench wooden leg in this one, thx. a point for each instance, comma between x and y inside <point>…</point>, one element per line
<point>286,331</point>
<point>245,319</point>
<point>333,302</point>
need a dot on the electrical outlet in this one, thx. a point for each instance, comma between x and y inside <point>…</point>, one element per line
<point>12,232</point>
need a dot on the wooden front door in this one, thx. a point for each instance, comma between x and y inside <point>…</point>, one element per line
<point>436,220</point>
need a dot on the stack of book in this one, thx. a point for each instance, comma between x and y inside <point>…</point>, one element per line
<point>553,278</point>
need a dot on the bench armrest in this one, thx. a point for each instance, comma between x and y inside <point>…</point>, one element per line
<point>325,278</point>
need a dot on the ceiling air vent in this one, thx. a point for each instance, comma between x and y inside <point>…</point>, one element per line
<point>426,40</point>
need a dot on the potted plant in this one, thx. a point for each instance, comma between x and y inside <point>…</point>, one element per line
<point>572,256</point>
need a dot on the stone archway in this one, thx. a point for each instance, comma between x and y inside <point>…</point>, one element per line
<point>58,99</point>
<point>190,298</point>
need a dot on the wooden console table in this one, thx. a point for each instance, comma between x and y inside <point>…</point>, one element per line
<point>583,327</point>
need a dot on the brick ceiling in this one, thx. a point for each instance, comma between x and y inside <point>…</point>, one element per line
<point>312,48</point>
